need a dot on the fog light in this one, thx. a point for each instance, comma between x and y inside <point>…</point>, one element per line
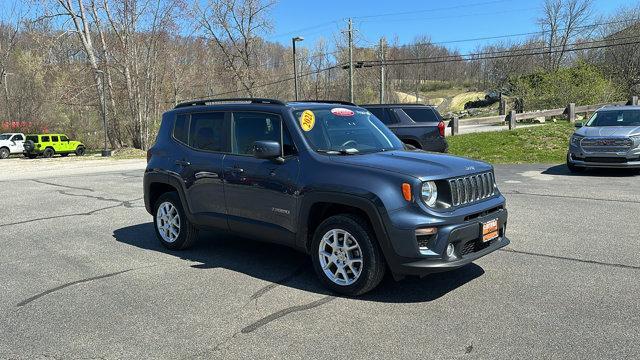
<point>450,250</point>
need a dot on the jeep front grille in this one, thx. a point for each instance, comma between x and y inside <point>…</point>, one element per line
<point>473,188</point>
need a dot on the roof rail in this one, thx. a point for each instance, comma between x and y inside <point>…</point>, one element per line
<point>325,102</point>
<point>201,102</point>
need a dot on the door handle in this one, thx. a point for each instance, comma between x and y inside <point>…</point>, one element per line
<point>183,163</point>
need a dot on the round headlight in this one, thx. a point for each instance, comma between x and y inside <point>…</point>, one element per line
<point>429,193</point>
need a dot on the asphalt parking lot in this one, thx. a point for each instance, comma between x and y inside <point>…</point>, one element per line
<point>82,276</point>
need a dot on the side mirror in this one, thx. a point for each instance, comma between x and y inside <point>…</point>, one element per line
<point>267,150</point>
<point>579,124</point>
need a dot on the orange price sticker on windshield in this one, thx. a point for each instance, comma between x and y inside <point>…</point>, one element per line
<point>307,120</point>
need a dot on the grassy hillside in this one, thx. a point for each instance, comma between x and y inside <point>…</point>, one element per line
<point>541,144</point>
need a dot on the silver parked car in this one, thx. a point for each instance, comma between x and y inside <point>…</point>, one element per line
<point>610,139</point>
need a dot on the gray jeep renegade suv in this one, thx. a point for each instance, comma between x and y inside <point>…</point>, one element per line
<point>328,179</point>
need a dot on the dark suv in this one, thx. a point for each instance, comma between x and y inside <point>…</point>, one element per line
<point>417,125</point>
<point>328,179</point>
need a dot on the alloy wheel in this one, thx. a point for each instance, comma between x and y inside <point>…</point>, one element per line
<point>340,257</point>
<point>168,222</point>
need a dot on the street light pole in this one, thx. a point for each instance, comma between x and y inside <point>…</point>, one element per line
<point>105,152</point>
<point>295,67</point>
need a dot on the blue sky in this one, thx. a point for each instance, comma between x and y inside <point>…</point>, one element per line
<point>441,20</point>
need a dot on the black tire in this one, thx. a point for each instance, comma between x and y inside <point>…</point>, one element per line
<point>80,150</point>
<point>4,153</point>
<point>572,168</point>
<point>48,152</point>
<point>187,233</point>
<point>373,264</point>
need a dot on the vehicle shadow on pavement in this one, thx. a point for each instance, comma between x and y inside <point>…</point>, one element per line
<point>562,170</point>
<point>266,262</point>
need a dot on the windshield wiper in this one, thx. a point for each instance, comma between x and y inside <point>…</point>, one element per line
<point>339,152</point>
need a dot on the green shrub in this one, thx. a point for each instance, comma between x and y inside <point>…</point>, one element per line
<point>582,84</point>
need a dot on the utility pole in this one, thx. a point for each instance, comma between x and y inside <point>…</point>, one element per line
<point>295,67</point>
<point>105,152</point>
<point>350,34</point>
<point>382,70</point>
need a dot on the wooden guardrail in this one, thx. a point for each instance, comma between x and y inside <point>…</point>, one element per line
<point>512,118</point>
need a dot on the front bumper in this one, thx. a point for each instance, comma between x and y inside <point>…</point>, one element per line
<point>427,266</point>
<point>609,162</point>
<point>413,256</point>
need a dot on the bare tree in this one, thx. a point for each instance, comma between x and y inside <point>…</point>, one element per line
<point>234,26</point>
<point>561,23</point>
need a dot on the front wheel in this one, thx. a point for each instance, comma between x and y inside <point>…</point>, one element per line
<point>80,151</point>
<point>345,255</point>
<point>173,229</point>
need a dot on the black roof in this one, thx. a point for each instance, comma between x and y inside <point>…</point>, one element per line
<point>201,102</point>
<point>257,101</point>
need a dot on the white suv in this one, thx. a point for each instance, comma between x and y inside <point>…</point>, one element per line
<point>11,143</point>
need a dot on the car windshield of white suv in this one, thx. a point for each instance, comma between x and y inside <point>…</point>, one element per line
<point>338,130</point>
<point>615,118</point>
<point>5,136</point>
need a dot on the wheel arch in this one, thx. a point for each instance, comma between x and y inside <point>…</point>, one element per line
<point>411,141</point>
<point>318,206</point>
<point>156,184</point>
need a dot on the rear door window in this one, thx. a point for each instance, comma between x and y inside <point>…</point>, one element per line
<point>18,138</point>
<point>207,132</point>
<point>33,138</point>
<point>383,115</point>
<point>421,114</point>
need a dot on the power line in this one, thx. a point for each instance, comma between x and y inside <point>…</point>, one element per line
<point>454,58</point>
<point>336,21</point>
<point>469,56</point>
<point>482,38</point>
<point>430,10</point>
<point>489,56</point>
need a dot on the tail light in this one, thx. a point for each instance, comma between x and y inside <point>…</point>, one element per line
<point>441,127</point>
<point>148,155</point>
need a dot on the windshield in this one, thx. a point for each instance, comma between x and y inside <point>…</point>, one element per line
<point>615,118</point>
<point>5,136</point>
<point>342,130</point>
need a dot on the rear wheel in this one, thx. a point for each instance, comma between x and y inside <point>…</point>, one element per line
<point>4,153</point>
<point>345,255</point>
<point>48,152</point>
<point>80,151</point>
<point>173,229</point>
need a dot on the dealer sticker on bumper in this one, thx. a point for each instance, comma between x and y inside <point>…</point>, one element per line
<point>490,230</point>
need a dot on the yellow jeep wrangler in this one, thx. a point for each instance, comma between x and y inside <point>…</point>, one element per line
<point>48,145</point>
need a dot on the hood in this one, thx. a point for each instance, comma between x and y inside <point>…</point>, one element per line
<point>422,165</point>
<point>614,131</point>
